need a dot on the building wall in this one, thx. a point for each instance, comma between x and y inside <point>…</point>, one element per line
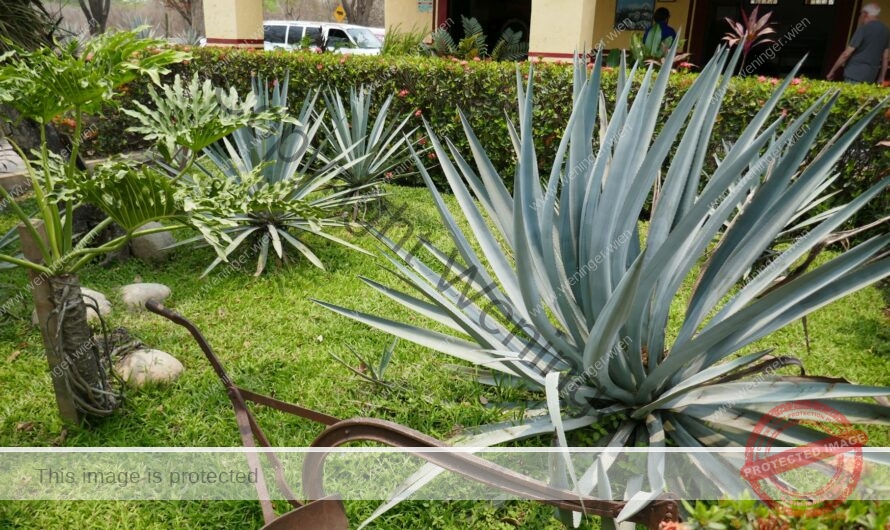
<point>558,27</point>
<point>406,15</point>
<point>234,22</point>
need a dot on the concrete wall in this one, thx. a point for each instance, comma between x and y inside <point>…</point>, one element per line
<point>234,22</point>
<point>406,15</point>
<point>558,27</point>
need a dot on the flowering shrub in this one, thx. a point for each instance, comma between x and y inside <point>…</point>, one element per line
<point>486,90</point>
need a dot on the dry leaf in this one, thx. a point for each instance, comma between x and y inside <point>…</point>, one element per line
<point>13,356</point>
<point>26,426</point>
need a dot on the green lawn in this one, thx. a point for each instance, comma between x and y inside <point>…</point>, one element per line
<point>273,339</point>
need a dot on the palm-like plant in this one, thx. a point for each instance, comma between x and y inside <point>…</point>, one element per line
<point>365,147</point>
<point>751,31</point>
<point>41,85</point>
<point>26,24</point>
<point>568,297</point>
<point>262,183</point>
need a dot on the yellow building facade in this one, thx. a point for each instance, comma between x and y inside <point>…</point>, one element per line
<point>555,29</point>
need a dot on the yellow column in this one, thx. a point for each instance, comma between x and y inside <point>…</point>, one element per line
<point>408,15</point>
<point>561,27</point>
<point>234,23</point>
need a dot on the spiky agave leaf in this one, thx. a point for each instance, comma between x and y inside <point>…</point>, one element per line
<point>264,183</point>
<point>565,286</point>
<point>365,146</point>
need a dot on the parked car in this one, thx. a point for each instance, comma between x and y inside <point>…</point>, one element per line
<point>339,38</point>
<point>380,33</point>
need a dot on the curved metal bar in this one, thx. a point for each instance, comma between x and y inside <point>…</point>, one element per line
<point>469,466</point>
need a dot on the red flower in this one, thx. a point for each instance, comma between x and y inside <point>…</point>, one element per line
<point>795,81</point>
<point>422,141</point>
<point>463,63</point>
<point>477,58</point>
<point>802,90</point>
<point>404,92</point>
<point>431,156</point>
<point>343,59</point>
<point>419,113</point>
<point>761,78</point>
<point>319,66</point>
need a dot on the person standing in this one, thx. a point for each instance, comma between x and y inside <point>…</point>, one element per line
<point>661,17</point>
<point>865,59</point>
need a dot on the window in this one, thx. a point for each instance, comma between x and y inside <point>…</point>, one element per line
<point>295,35</point>
<point>364,38</point>
<point>274,34</point>
<point>767,2</point>
<point>337,38</point>
<point>818,2</point>
<point>314,34</point>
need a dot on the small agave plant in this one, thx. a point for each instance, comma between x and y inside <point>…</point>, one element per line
<point>264,185</point>
<point>366,147</point>
<point>568,295</point>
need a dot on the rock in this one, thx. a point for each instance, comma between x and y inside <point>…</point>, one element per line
<point>90,297</point>
<point>136,294</point>
<point>144,366</point>
<point>152,247</point>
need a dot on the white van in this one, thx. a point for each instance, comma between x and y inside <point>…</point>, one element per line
<point>340,38</point>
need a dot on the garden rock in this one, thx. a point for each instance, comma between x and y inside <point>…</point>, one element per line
<point>144,366</point>
<point>152,247</point>
<point>136,294</point>
<point>90,298</point>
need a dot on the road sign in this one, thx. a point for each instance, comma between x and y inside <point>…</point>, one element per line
<point>340,14</point>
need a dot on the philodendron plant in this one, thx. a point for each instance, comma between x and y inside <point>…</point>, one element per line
<point>76,81</point>
<point>564,291</point>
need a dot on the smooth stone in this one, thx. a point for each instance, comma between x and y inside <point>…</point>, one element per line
<point>144,366</point>
<point>136,294</point>
<point>152,247</point>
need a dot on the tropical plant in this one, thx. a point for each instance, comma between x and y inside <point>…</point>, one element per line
<point>397,42</point>
<point>653,49</point>
<point>25,24</point>
<point>751,31</point>
<point>576,302</point>
<point>509,46</point>
<point>42,85</point>
<point>262,182</point>
<point>375,374</point>
<point>364,146</point>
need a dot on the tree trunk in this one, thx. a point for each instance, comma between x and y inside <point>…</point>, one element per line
<point>86,372</point>
<point>198,17</point>
<point>358,11</point>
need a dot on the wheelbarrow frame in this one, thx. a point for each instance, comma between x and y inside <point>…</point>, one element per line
<point>324,512</point>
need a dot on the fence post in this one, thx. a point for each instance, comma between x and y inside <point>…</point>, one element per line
<point>41,292</point>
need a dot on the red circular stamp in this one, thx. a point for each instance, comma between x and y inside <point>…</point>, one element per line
<point>808,480</point>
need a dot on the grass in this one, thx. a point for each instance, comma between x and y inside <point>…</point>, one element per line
<point>273,339</point>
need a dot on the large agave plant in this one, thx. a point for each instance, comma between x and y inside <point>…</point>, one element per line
<point>568,295</point>
<point>366,147</point>
<point>263,181</point>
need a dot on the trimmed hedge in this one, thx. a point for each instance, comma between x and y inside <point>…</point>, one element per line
<point>486,92</point>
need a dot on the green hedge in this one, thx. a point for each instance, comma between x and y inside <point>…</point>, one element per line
<point>486,91</point>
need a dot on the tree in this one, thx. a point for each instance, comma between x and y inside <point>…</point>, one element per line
<point>358,11</point>
<point>190,10</point>
<point>96,12</point>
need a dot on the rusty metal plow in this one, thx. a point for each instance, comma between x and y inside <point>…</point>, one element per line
<point>327,512</point>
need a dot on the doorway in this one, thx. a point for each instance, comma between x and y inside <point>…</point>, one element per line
<point>815,29</point>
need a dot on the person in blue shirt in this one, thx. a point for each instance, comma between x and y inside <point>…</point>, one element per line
<point>661,17</point>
